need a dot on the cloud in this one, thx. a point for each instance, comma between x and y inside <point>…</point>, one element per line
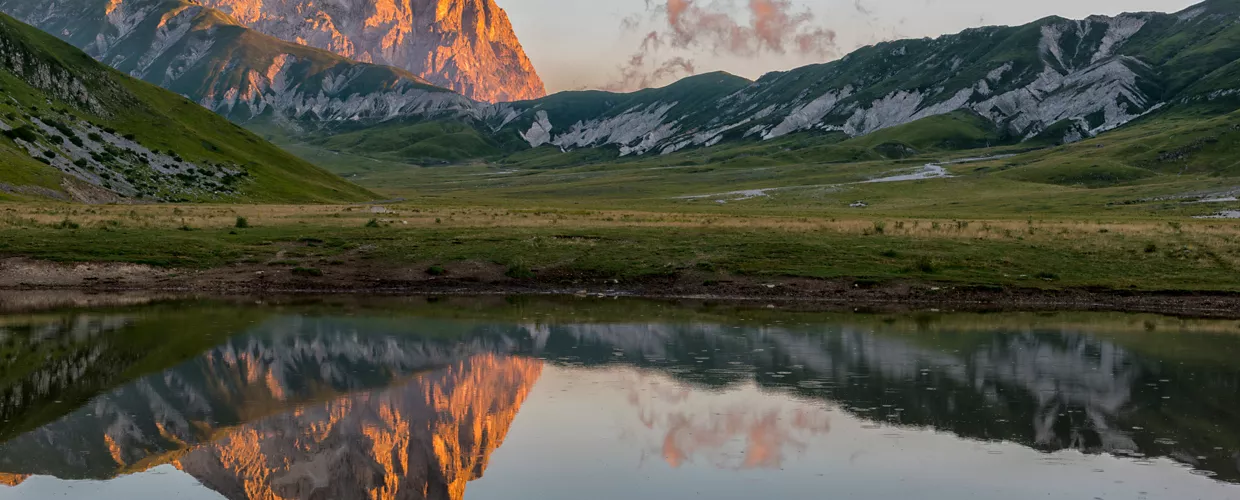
<point>773,26</point>
<point>638,74</point>
<point>694,27</point>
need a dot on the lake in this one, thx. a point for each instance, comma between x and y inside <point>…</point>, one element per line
<point>560,398</point>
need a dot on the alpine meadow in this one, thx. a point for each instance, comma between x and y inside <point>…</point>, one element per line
<point>1071,160</point>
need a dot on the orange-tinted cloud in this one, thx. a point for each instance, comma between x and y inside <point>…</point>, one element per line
<point>769,27</point>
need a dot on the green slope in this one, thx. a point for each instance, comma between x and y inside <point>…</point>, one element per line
<point>951,132</point>
<point>78,129</point>
<point>1185,143</point>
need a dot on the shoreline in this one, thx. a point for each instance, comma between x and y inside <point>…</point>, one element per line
<point>20,276</point>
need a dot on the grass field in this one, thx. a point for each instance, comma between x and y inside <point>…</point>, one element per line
<point>1119,253</point>
<point>1115,212</point>
<point>1153,169</point>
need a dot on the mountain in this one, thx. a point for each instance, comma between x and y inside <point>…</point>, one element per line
<point>1052,81</point>
<point>76,129</point>
<point>467,46</point>
<point>249,77</point>
<point>1055,79</point>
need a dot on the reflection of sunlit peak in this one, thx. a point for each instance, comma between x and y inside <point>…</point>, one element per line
<point>429,437</point>
<point>7,479</point>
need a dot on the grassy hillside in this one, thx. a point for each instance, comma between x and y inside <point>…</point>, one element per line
<point>422,142</point>
<point>77,129</point>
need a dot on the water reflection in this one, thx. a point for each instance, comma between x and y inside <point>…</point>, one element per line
<point>765,433</point>
<point>256,403</point>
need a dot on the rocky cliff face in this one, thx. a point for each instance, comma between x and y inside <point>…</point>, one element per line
<point>465,45</point>
<point>208,57</point>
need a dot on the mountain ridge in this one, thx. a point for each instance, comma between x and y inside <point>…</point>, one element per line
<point>468,46</point>
<point>1051,81</point>
<point>76,129</point>
<point>1055,80</point>
<point>237,72</point>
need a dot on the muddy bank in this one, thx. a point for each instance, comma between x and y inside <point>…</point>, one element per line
<point>31,283</point>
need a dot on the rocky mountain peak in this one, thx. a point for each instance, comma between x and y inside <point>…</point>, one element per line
<point>465,45</point>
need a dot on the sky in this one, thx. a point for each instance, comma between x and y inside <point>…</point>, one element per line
<point>630,44</point>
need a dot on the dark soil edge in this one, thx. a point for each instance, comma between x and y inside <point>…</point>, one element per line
<point>793,293</point>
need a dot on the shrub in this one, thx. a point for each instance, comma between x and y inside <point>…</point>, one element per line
<point>24,132</point>
<point>307,272</point>
<point>1151,248</point>
<point>242,223</point>
<point>519,271</point>
<point>66,224</point>
<point>436,271</point>
<point>372,223</point>
<point>1048,276</point>
<point>926,265</point>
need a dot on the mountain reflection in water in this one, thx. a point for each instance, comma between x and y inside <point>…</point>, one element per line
<point>290,405</point>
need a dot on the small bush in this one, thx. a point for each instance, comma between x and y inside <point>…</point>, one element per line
<point>24,132</point>
<point>242,223</point>
<point>880,227</point>
<point>1047,276</point>
<point>926,265</point>
<point>307,272</point>
<point>372,223</point>
<point>519,271</point>
<point>66,224</point>
<point>891,254</point>
<point>436,271</point>
<point>1151,248</point>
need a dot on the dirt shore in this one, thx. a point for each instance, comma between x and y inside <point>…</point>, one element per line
<point>84,283</point>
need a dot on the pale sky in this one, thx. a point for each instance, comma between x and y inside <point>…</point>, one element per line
<point>582,44</point>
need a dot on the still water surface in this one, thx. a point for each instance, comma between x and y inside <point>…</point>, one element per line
<point>500,399</point>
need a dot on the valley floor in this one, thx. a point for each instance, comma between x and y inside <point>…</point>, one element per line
<point>1186,265</point>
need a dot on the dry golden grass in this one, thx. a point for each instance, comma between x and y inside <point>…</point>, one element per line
<point>1214,240</point>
